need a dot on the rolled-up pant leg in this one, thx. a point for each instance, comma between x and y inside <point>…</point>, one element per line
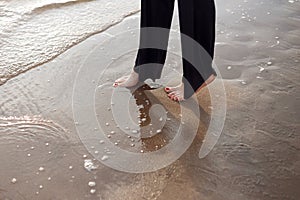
<point>197,25</point>
<point>149,61</point>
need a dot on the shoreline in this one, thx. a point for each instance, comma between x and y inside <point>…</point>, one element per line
<point>256,157</point>
<point>52,32</point>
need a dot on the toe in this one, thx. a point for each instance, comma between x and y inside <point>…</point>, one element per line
<point>180,99</point>
<point>171,94</point>
<point>175,98</point>
<point>169,89</point>
<point>172,97</point>
<point>122,79</point>
<point>119,82</point>
<point>115,84</point>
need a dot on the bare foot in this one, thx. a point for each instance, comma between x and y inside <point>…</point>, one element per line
<point>177,93</point>
<point>127,81</point>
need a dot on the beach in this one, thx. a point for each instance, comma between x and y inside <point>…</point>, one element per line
<point>45,45</point>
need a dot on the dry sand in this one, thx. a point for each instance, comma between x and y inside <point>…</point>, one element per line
<point>256,157</point>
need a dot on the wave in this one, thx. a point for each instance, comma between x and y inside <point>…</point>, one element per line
<point>39,32</point>
<point>55,5</point>
<point>13,12</point>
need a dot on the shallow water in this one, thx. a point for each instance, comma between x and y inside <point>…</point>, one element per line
<point>34,32</point>
<point>42,157</point>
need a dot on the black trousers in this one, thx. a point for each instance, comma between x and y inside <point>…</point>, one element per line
<point>197,26</point>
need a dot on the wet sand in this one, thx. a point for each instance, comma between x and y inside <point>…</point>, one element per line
<point>256,157</point>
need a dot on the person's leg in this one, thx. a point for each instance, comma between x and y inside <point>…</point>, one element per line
<point>149,61</point>
<point>197,24</point>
